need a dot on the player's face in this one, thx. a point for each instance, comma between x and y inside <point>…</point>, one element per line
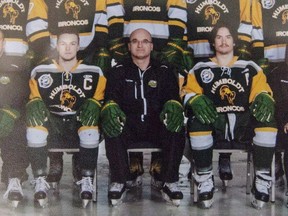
<point>67,46</point>
<point>224,42</point>
<point>140,44</point>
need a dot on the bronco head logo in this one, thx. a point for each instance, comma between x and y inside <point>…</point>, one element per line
<point>211,12</point>
<point>9,10</point>
<point>67,99</point>
<point>148,2</point>
<point>285,17</point>
<point>225,92</point>
<point>71,5</point>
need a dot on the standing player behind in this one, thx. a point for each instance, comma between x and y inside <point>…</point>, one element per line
<point>14,93</point>
<point>202,17</point>
<point>97,21</point>
<point>142,105</point>
<point>232,102</point>
<point>12,23</point>
<point>271,18</point>
<point>64,111</point>
<point>166,21</point>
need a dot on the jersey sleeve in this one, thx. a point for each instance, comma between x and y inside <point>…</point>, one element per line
<point>100,38</point>
<point>245,27</point>
<point>177,18</point>
<point>191,87</point>
<point>34,92</point>
<point>100,90</point>
<point>259,84</point>
<point>37,27</point>
<point>257,31</point>
<point>115,16</point>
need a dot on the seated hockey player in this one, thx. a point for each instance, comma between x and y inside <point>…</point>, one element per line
<point>277,80</point>
<point>14,94</point>
<point>63,111</point>
<point>142,104</point>
<point>229,102</point>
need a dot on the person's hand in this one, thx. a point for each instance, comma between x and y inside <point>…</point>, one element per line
<point>118,49</point>
<point>36,112</point>
<point>112,119</point>
<point>102,59</point>
<point>263,107</point>
<point>286,128</point>
<point>89,112</point>
<point>8,117</point>
<point>173,51</point>
<point>187,62</point>
<point>172,116</point>
<point>203,109</point>
<point>243,51</point>
<point>264,64</point>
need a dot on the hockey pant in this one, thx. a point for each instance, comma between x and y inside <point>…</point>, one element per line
<point>62,133</point>
<point>236,130</point>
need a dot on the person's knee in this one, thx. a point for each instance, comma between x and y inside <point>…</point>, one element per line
<point>265,137</point>
<point>37,136</point>
<point>201,140</point>
<point>89,137</point>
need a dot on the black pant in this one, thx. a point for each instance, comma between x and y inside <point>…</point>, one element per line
<point>14,152</point>
<point>172,145</point>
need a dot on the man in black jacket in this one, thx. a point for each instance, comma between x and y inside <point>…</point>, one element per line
<point>142,104</point>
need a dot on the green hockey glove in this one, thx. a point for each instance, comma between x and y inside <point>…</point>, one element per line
<point>264,64</point>
<point>102,59</point>
<point>244,52</point>
<point>187,61</point>
<point>173,51</point>
<point>89,112</point>
<point>172,116</point>
<point>118,49</point>
<point>263,107</point>
<point>8,117</point>
<point>36,113</point>
<point>203,108</point>
<point>112,119</point>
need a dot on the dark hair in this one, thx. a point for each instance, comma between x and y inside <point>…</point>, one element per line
<point>68,30</point>
<point>230,27</point>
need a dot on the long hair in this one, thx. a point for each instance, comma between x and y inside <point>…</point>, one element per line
<point>230,27</point>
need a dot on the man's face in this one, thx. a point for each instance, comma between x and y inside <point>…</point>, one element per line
<point>140,44</point>
<point>67,46</point>
<point>2,43</point>
<point>224,42</point>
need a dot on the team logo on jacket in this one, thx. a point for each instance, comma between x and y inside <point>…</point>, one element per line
<point>207,75</point>
<point>12,13</point>
<point>70,5</point>
<point>4,80</point>
<point>45,81</point>
<point>67,99</point>
<point>226,93</point>
<point>267,4</point>
<point>210,12</point>
<point>152,83</point>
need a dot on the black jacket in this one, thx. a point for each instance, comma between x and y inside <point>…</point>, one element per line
<point>142,94</point>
